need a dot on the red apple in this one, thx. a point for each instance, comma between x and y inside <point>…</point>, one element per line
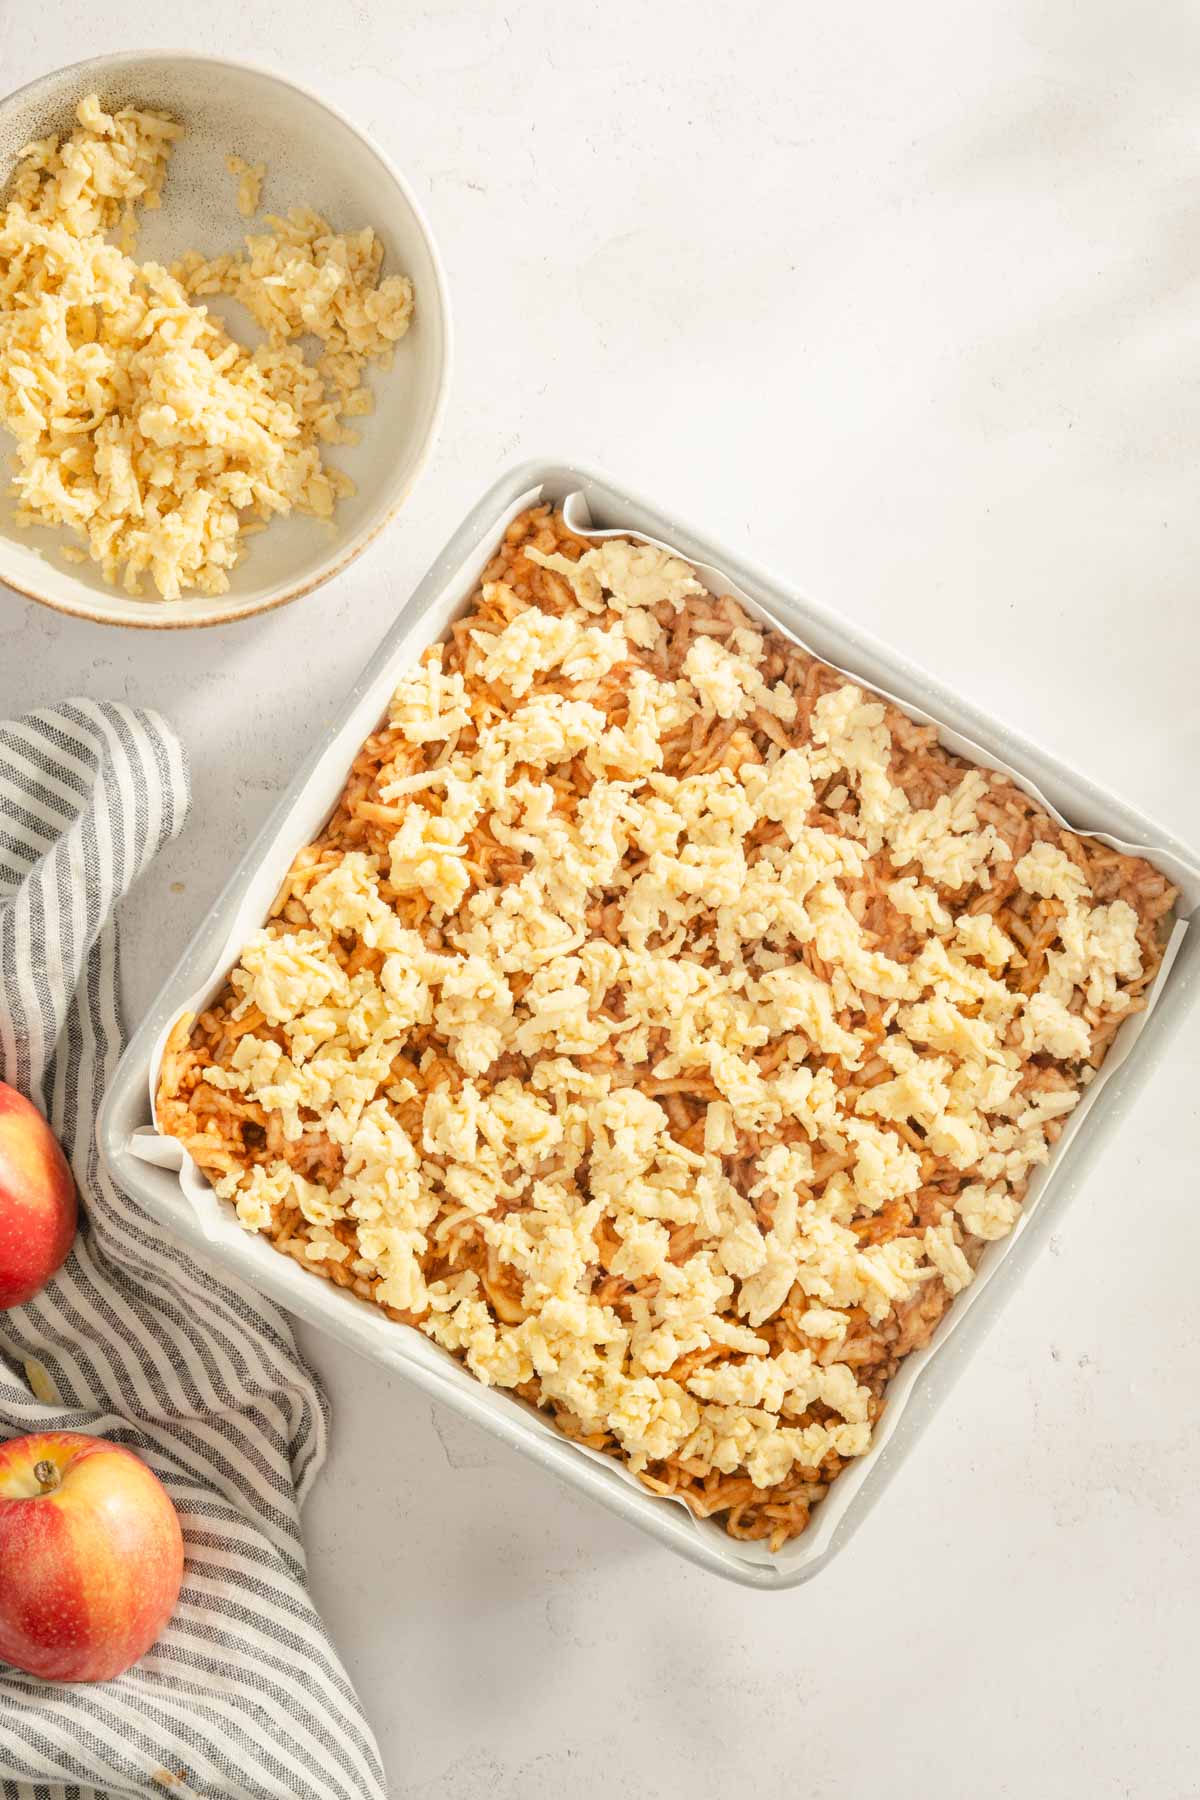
<point>91,1556</point>
<point>38,1210</point>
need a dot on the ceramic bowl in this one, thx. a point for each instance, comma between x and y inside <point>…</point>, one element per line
<point>315,157</point>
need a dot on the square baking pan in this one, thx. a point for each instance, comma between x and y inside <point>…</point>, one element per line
<point>124,1128</point>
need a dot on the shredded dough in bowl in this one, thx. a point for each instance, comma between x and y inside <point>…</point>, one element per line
<point>141,426</point>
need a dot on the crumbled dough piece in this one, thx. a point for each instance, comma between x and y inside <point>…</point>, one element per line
<point>944,840</point>
<point>987,1212</point>
<point>629,577</point>
<point>302,276</point>
<point>946,1255</point>
<point>1097,946</point>
<point>730,684</point>
<point>287,975</point>
<point>1050,1027</point>
<point>250,184</point>
<point>1048,871</point>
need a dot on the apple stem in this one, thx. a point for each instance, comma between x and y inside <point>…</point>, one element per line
<point>47,1474</point>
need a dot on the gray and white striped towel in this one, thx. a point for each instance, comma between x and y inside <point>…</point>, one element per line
<point>244,1697</point>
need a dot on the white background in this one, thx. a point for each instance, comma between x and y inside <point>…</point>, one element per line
<point>901,301</point>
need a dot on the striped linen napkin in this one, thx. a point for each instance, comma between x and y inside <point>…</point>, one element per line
<point>244,1697</point>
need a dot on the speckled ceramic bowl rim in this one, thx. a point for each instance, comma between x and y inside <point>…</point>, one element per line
<point>95,614</point>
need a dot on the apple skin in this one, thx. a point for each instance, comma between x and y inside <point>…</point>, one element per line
<point>90,1570</point>
<point>38,1208</point>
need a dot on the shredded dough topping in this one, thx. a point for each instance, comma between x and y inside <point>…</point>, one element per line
<point>663,1024</point>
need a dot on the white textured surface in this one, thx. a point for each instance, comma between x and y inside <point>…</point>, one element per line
<point>902,302</point>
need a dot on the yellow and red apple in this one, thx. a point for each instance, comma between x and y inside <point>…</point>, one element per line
<point>91,1556</point>
<point>37,1200</point>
